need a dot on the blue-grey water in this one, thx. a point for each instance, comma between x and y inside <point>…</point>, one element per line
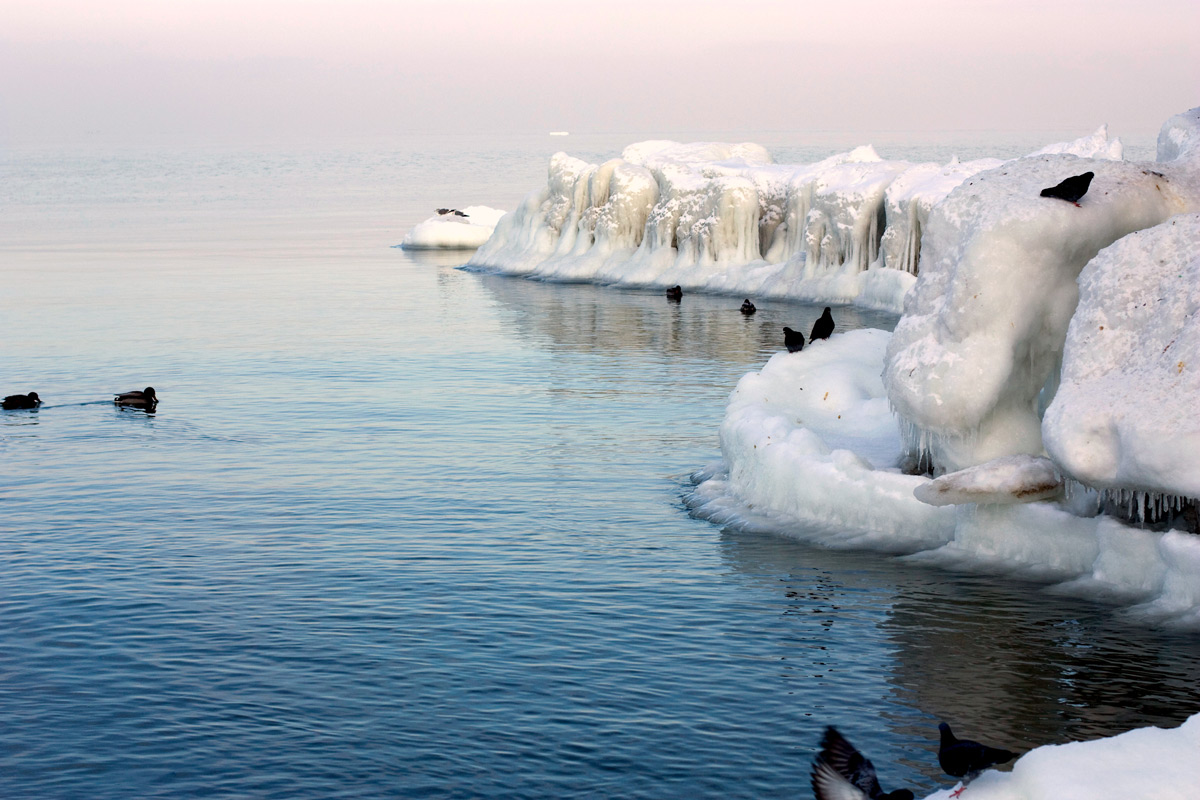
<point>401,530</point>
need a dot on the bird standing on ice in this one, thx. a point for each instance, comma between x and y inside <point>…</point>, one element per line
<point>1072,189</point>
<point>840,772</point>
<point>962,758</point>
<point>793,340</point>
<point>822,327</point>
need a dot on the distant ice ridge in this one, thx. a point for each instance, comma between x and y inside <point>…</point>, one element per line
<point>810,444</point>
<point>1160,763</point>
<point>454,232</point>
<point>724,218</point>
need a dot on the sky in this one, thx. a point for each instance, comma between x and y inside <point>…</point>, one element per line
<point>193,70</point>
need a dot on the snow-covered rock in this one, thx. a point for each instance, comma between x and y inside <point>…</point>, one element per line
<point>1127,413</point>
<point>983,329</point>
<point>453,232</point>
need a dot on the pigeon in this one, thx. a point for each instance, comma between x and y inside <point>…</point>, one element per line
<point>793,340</point>
<point>748,307</point>
<point>1071,189</point>
<point>145,400</point>
<point>18,401</point>
<point>822,327</point>
<point>840,772</point>
<point>962,758</point>
<point>675,293</point>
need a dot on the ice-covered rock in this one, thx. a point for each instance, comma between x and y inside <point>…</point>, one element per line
<point>1011,479</point>
<point>452,231</point>
<point>983,329</point>
<point>1127,413</point>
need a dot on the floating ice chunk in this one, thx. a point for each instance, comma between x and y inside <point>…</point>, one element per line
<point>454,232</point>
<point>1011,479</point>
<point>983,328</point>
<point>1127,413</point>
<point>1179,139</point>
<point>1098,145</point>
<point>1160,763</point>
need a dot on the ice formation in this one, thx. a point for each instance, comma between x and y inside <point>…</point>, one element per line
<point>809,448</point>
<point>983,329</point>
<point>1160,763</point>
<point>725,218</point>
<point>1127,416</point>
<point>454,232</point>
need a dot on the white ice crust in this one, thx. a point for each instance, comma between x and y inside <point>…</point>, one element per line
<point>810,448</point>
<point>452,232</point>
<point>1159,763</point>
<point>724,218</point>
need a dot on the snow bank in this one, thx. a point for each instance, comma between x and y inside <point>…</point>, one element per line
<point>454,232</point>
<point>1159,763</point>
<point>723,218</point>
<point>1126,417</point>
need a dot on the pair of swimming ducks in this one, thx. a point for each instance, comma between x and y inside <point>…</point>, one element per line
<point>144,400</point>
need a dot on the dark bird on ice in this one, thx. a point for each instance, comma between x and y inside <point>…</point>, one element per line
<point>962,758</point>
<point>675,293</point>
<point>145,400</point>
<point>748,307</point>
<point>822,327</point>
<point>793,340</point>
<point>1071,189</point>
<point>19,401</point>
<point>841,772</point>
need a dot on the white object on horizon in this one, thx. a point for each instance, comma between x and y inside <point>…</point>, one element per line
<point>453,232</point>
<point>560,133</point>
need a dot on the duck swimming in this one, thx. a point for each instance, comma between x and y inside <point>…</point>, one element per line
<point>18,401</point>
<point>145,399</point>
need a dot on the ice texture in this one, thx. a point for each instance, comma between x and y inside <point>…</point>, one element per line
<point>1127,414</point>
<point>724,218</point>
<point>452,232</point>
<point>983,329</point>
<point>1160,763</point>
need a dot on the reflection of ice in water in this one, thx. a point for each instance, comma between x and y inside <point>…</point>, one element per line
<point>435,258</point>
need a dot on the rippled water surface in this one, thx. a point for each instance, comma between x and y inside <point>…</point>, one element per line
<point>401,530</point>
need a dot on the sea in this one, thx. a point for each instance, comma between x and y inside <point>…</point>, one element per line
<point>401,530</point>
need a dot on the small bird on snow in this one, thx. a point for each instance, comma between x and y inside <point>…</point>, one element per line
<point>841,772</point>
<point>963,758</point>
<point>1071,189</point>
<point>822,327</point>
<point>793,340</point>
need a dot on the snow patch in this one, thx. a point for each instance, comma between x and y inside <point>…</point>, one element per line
<point>454,232</point>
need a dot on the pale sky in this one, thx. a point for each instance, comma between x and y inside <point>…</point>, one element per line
<point>222,71</point>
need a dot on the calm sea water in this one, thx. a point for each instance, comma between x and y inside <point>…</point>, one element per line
<point>401,530</point>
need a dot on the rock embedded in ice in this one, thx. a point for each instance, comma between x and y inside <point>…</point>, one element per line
<point>1011,479</point>
<point>464,230</point>
<point>1127,412</point>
